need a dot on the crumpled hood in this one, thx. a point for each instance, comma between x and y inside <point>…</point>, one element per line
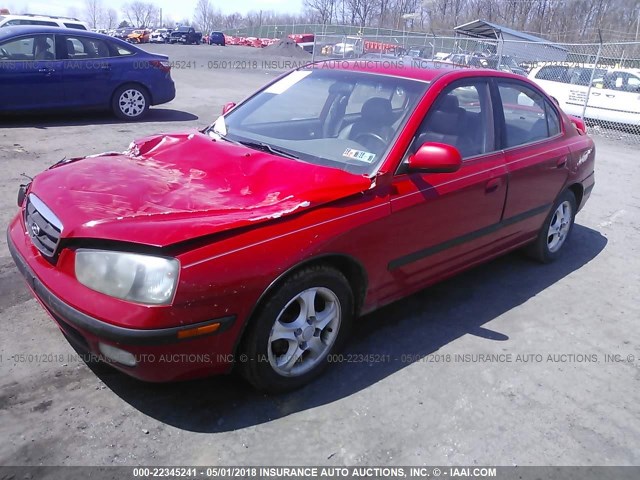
<point>171,188</point>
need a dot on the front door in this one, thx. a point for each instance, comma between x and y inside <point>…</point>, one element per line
<point>441,222</point>
<point>30,73</point>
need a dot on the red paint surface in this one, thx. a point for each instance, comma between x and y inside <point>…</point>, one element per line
<point>272,214</point>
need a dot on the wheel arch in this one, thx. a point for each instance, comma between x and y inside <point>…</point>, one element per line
<point>350,267</point>
<point>578,191</point>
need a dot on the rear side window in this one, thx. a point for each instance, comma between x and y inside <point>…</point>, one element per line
<point>528,116</point>
<point>122,51</point>
<point>77,26</point>
<point>31,22</point>
<point>79,48</point>
<point>40,22</point>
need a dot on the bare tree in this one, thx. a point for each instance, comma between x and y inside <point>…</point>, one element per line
<point>233,20</point>
<point>558,20</point>
<point>110,19</point>
<point>204,16</point>
<point>168,22</point>
<point>140,14</point>
<point>323,10</point>
<point>93,12</point>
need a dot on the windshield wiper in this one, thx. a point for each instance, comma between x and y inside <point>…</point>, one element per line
<point>265,147</point>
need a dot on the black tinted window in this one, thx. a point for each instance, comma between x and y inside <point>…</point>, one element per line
<point>77,26</point>
<point>553,73</point>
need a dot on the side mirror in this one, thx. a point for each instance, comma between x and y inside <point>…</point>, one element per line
<point>227,107</point>
<point>434,157</point>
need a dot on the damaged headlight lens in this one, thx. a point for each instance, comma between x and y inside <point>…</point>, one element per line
<point>129,276</point>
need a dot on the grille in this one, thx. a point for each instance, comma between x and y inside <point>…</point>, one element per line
<point>43,226</point>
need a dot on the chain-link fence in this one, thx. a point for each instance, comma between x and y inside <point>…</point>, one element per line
<point>280,31</point>
<point>598,82</point>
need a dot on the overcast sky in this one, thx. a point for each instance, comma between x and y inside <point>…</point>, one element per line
<point>176,9</point>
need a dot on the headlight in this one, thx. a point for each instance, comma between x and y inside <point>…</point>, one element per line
<point>130,276</point>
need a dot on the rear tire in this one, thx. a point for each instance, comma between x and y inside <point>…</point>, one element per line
<point>304,321</point>
<point>556,230</point>
<point>130,102</point>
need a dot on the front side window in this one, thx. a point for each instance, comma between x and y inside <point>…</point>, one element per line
<point>528,116</point>
<point>32,47</point>
<point>462,117</point>
<point>339,118</point>
<point>623,82</point>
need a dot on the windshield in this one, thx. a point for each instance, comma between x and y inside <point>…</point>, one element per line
<point>338,118</point>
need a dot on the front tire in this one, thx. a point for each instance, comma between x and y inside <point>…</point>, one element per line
<point>556,230</point>
<point>130,102</point>
<point>304,321</point>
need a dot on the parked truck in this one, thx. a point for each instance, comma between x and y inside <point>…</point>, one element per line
<point>186,35</point>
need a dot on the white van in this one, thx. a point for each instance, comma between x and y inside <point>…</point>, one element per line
<point>614,97</point>
<point>49,21</point>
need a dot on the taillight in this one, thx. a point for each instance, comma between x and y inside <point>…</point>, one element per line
<point>579,124</point>
<point>162,65</point>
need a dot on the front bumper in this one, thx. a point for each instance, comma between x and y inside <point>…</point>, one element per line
<point>161,354</point>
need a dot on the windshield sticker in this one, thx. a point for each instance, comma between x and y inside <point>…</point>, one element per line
<point>287,82</point>
<point>359,155</point>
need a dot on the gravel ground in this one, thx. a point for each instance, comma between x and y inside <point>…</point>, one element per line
<point>566,393</point>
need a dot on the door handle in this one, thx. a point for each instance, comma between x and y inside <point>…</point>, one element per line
<point>610,95</point>
<point>492,185</point>
<point>595,94</point>
<point>47,71</point>
<point>561,162</point>
<point>105,67</point>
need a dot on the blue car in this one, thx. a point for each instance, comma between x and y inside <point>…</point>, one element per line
<point>50,68</point>
<point>216,38</point>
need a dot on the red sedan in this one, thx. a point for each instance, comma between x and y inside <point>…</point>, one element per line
<point>334,190</point>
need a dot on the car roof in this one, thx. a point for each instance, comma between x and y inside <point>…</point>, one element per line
<point>19,30</point>
<point>9,32</point>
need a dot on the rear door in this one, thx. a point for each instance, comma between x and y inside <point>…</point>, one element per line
<point>535,154</point>
<point>87,70</point>
<point>441,222</point>
<point>31,73</point>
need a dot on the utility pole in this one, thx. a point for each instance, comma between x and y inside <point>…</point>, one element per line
<point>160,18</point>
<point>638,24</point>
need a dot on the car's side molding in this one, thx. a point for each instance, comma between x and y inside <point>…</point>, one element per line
<point>467,237</point>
